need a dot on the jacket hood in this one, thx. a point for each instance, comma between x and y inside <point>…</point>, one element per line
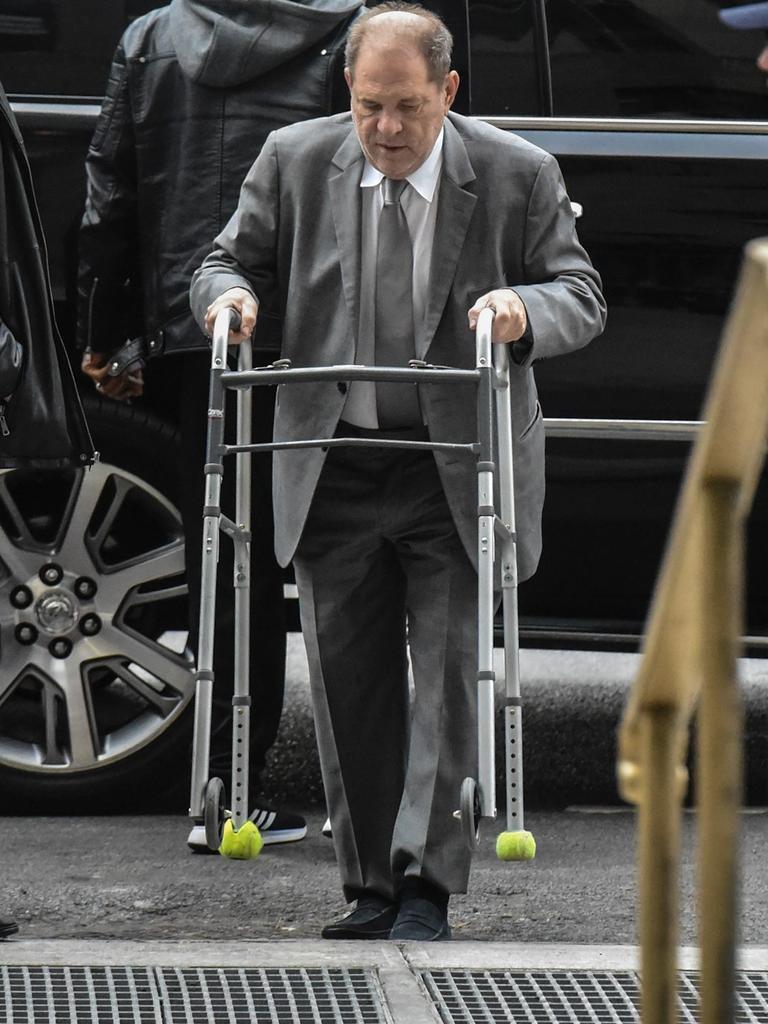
<point>228,42</point>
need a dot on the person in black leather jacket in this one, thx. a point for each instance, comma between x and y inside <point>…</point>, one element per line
<point>193,92</point>
<point>41,419</point>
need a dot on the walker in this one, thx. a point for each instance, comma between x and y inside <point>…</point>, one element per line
<point>230,831</point>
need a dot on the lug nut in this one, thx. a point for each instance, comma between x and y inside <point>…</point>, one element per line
<point>85,587</point>
<point>26,633</point>
<point>90,625</point>
<point>60,647</point>
<point>21,597</point>
<point>51,574</point>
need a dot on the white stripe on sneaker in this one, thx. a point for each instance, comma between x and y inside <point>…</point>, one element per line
<point>263,819</point>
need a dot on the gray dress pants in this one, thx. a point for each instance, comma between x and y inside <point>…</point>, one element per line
<point>380,561</point>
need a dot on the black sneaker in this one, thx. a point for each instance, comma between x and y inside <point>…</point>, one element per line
<point>274,826</point>
<point>278,826</point>
<point>8,928</point>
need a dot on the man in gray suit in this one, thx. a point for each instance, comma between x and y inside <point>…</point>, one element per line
<point>384,544</point>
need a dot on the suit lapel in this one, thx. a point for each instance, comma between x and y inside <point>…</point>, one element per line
<point>344,187</point>
<point>454,212</point>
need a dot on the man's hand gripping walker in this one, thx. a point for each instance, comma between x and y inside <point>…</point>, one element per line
<point>232,833</point>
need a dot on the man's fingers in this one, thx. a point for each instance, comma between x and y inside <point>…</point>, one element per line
<point>247,309</point>
<point>93,366</point>
<point>502,325</point>
<point>247,324</point>
<point>509,322</point>
<point>474,312</point>
<point>112,387</point>
<point>120,388</point>
<point>500,315</point>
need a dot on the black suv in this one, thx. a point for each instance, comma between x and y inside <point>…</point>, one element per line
<point>659,119</point>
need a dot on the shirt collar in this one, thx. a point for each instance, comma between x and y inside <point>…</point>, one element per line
<point>423,179</point>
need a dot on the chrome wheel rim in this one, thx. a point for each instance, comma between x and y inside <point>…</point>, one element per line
<point>94,664</point>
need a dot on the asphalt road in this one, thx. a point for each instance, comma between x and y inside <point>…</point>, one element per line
<point>132,878</point>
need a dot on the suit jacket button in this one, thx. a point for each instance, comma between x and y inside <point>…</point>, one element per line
<point>342,387</point>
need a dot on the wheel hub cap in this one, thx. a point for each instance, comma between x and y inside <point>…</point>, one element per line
<point>56,612</point>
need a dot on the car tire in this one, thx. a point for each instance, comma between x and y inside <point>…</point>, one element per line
<point>96,689</point>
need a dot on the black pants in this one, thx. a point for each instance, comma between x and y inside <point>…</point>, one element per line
<point>186,376</point>
<point>380,560</point>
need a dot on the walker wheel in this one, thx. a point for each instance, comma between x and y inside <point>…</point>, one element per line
<point>470,813</point>
<point>213,815</point>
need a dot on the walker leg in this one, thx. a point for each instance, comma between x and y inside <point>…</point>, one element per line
<point>516,843</point>
<point>486,522</point>
<point>241,699</point>
<point>211,518</point>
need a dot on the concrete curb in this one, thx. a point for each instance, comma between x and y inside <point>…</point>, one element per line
<point>395,957</point>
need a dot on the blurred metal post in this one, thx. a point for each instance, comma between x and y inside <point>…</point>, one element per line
<point>719,750</point>
<point>659,854</point>
<point>690,652</point>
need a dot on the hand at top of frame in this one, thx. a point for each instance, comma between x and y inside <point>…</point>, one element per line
<point>125,386</point>
<point>246,305</point>
<point>510,321</point>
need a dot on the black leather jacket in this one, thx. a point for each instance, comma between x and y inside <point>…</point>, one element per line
<point>194,90</point>
<point>41,419</point>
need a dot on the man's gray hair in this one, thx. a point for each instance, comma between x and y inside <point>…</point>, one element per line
<point>434,41</point>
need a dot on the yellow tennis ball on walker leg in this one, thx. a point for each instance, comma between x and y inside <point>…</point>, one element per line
<point>515,846</point>
<point>243,843</point>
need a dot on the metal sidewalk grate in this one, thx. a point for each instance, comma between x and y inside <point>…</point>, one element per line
<point>573,997</point>
<point>279,995</point>
<point>142,995</point>
<point>78,995</point>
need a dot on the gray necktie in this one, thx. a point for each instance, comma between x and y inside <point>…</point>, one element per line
<point>397,405</point>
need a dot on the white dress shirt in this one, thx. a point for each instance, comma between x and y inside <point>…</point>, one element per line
<point>419,202</point>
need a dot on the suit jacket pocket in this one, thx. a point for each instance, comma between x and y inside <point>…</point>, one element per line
<point>535,419</point>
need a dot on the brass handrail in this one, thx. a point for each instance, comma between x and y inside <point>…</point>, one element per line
<point>689,658</point>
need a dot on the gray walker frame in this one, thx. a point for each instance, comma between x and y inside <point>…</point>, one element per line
<point>495,532</point>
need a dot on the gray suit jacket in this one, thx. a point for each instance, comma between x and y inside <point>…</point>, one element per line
<point>503,220</point>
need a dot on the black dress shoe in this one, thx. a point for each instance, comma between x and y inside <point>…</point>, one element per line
<point>420,921</point>
<point>372,919</point>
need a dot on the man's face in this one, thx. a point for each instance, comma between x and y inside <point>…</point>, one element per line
<point>762,60</point>
<point>397,110</point>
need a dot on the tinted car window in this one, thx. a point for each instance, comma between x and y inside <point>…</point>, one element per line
<point>75,38</point>
<point>616,58</point>
<point>504,74</point>
<point>652,58</point>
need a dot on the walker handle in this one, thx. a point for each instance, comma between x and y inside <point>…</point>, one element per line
<point>483,330</point>
<point>227,319</point>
